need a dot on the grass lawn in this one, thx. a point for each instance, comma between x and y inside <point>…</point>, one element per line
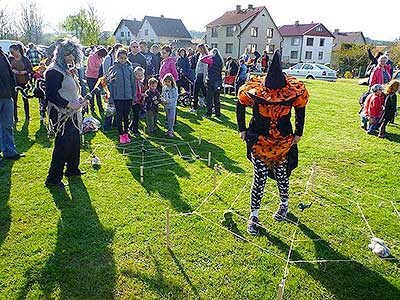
<point>104,236</point>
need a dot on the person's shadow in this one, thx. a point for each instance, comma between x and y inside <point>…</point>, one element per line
<point>82,265</point>
<point>345,280</point>
<point>5,190</point>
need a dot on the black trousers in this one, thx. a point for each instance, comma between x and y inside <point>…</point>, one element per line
<point>26,104</point>
<point>91,83</point>
<point>135,115</point>
<point>66,152</point>
<point>122,109</point>
<point>198,85</point>
<point>213,99</point>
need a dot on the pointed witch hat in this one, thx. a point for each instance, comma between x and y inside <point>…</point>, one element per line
<point>275,78</point>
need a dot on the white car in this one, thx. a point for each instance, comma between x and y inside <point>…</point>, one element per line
<point>5,44</point>
<point>311,71</point>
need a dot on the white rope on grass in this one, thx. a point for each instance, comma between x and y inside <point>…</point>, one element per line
<point>365,220</point>
<point>238,196</point>
<point>317,261</point>
<point>395,209</point>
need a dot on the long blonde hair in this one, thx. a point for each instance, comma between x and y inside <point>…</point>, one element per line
<point>392,87</point>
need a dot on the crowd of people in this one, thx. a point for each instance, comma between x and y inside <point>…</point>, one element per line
<point>379,103</point>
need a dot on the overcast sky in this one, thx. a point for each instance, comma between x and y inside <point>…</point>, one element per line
<point>346,15</point>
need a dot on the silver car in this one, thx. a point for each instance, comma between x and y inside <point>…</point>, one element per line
<point>311,71</point>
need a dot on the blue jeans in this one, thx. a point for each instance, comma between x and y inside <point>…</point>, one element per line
<point>374,126</point>
<point>7,145</point>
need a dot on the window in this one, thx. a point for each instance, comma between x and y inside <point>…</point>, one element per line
<point>310,41</point>
<point>214,32</point>
<point>308,54</point>
<point>295,41</point>
<point>294,54</point>
<point>270,49</point>
<point>320,55</point>
<point>308,67</point>
<point>297,66</point>
<point>322,42</point>
<point>319,29</point>
<point>270,33</point>
<point>229,48</point>
<point>214,46</point>
<point>129,33</point>
<point>122,34</point>
<point>146,32</point>
<point>229,31</point>
<point>252,47</point>
<point>254,31</point>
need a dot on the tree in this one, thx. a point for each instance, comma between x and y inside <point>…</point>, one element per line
<point>85,25</point>
<point>7,26</point>
<point>351,57</point>
<point>30,23</point>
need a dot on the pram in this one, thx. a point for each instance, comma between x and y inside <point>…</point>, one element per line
<point>186,98</point>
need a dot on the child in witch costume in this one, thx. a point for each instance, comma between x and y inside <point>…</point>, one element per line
<point>271,143</point>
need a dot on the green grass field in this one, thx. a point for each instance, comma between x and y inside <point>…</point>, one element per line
<point>104,236</point>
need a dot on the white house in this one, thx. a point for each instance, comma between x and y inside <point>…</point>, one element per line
<point>239,29</point>
<point>163,30</point>
<point>306,43</point>
<point>126,31</point>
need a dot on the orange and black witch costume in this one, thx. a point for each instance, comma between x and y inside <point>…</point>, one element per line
<point>269,135</point>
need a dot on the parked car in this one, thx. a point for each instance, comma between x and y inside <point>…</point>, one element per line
<point>5,44</point>
<point>312,71</point>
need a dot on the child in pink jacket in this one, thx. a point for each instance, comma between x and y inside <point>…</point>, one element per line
<point>168,64</point>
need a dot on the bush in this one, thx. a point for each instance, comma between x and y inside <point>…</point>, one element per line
<point>348,75</point>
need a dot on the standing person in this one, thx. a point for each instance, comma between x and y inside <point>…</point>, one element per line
<point>381,73</point>
<point>7,85</point>
<point>200,77</point>
<point>389,106</point>
<point>168,63</point>
<point>231,66</point>
<point>389,63</point>
<point>150,60</point>
<point>185,73</point>
<point>62,95</point>
<point>169,98</point>
<point>122,93</point>
<point>373,107</point>
<point>155,50</point>
<point>264,62</point>
<point>271,143</point>
<point>241,75</point>
<point>246,55</point>
<point>22,69</point>
<point>33,55</point>
<point>215,64</point>
<point>135,57</point>
<point>152,99</point>
<point>137,104</point>
<point>192,59</point>
<point>92,75</point>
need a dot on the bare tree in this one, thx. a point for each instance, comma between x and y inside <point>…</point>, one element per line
<point>7,26</point>
<point>30,23</point>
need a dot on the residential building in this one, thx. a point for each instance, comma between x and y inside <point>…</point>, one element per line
<point>126,31</point>
<point>239,29</point>
<point>347,37</point>
<point>306,43</point>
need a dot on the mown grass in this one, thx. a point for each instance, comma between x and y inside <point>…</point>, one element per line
<point>104,237</point>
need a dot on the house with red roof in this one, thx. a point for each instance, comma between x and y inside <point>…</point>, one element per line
<point>306,43</point>
<point>236,30</point>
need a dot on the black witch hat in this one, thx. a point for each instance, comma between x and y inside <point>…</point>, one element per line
<point>275,78</point>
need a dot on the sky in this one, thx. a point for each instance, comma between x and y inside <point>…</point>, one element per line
<point>345,15</point>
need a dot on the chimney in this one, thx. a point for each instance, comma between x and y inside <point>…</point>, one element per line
<point>162,16</point>
<point>250,6</point>
<point>238,8</point>
<point>336,31</point>
<point>296,23</point>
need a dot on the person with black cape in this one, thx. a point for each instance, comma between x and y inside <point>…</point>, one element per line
<point>271,143</point>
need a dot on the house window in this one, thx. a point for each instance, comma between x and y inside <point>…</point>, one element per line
<point>129,33</point>
<point>254,31</point>
<point>122,34</point>
<point>229,31</point>
<point>295,41</point>
<point>310,41</point>
<point>229,48</point>
<point>252,47</point>
<point>214,46</point>
<point>270,33</point>
<point>320,55</point>
<point>146,32</point>
<point>308,54</point>
<point>319,29</point>
<point>214,32</point>
<point>270,49</point>
<point>294,54</point>
<point>322,42</point>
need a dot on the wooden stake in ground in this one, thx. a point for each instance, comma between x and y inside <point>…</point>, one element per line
<point>281,288</point>
<point>167,227</point>
<point>200,138</point>
<point>209,159</point>
<point>141,174</point>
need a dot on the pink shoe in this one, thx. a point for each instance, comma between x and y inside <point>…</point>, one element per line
<point>127,139</point>
<point>122,139</point>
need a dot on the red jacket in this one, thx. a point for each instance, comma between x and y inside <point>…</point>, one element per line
<point>373,106</point>
<point>377,75</point>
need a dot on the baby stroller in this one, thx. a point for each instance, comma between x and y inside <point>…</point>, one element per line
<point>186,98</point>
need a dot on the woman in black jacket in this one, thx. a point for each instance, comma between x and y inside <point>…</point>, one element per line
<point>389,107</point>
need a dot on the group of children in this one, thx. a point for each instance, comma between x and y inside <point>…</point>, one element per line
<point>130,95</point>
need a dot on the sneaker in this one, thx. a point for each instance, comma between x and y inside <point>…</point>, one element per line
<point>252,227</point>
<point>171,134</point>
<point>127,139</point>
<point>193,111</point>
<point>122,139</point>
<point>281,213</point>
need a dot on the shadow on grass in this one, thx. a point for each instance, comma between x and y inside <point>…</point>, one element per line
<point>82,265</point>
<point>347,280</point>
<point>5,189</point>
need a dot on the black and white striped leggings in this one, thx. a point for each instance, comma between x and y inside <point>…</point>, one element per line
<point>260,177</point>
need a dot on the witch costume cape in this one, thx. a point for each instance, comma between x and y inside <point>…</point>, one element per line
<point>270,134</point>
